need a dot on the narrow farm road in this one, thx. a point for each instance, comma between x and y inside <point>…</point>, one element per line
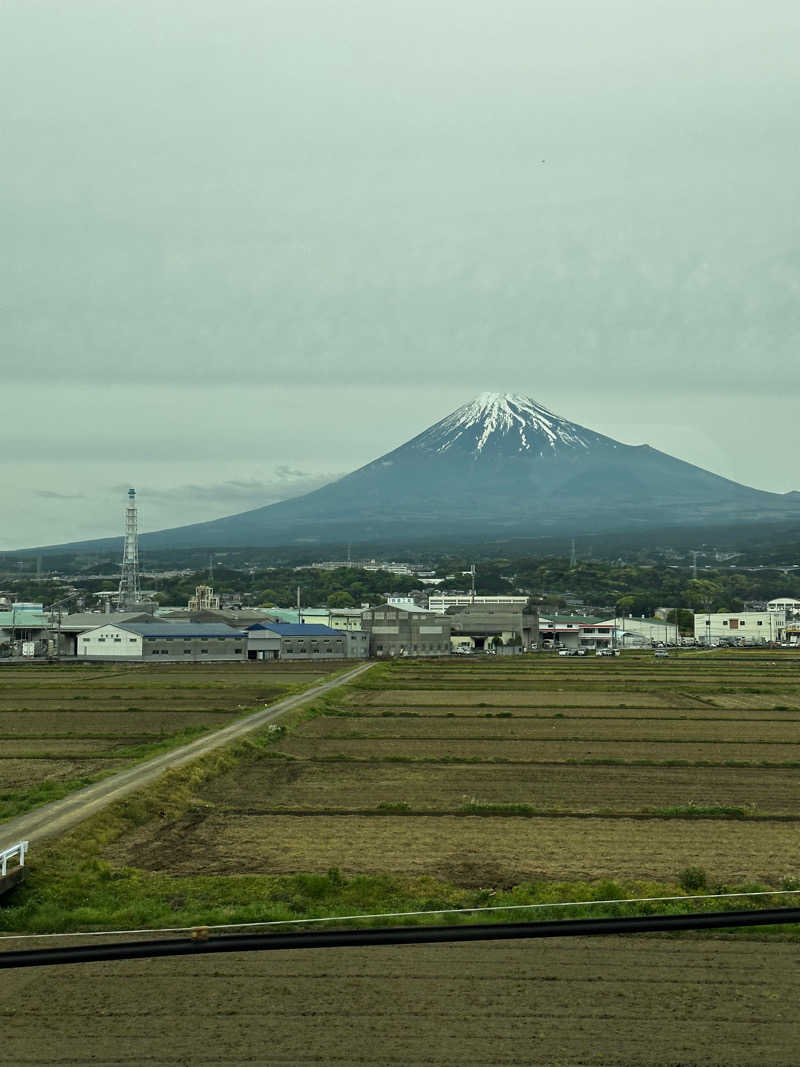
<point>61,815</point>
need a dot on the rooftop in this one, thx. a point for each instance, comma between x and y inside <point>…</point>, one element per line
<point>179,629</point>
<point>294,629</point>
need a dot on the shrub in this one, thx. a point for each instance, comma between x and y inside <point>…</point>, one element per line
<point>693,879</point>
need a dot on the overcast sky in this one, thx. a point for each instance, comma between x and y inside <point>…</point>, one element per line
<point>249,246</point>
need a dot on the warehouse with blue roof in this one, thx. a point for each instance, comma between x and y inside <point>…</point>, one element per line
<point>305,640</point>
<point>164,642</point>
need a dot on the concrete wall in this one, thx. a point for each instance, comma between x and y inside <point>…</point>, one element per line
<point>322,647</point>
<point>187,649</point>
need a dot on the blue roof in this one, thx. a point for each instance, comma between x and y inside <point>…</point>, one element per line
<point>294,629</point>
<point>180,629</point>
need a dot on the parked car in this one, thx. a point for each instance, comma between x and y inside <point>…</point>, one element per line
<point>661,653</point>
<point>568,652</point>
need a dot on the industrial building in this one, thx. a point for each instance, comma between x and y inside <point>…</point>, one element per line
<point>576,631</point>
<point>785,603</point>
<point>644,632</point>
<point>68,628</point>
<point>282,640</point>
<point>476,627</point>
<point>440,602</point>
<point>401,632</point>
<point>164,642</point>
<point>740,628</point>
<point>25,630</point>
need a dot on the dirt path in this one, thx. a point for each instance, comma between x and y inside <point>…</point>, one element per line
<point>62,815</point>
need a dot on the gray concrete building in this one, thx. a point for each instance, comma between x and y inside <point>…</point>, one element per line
<point>397,631</point>
<point>281,640</point>
<point>476,627</point>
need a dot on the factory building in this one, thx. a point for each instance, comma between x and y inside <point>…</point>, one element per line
<point>440,602</point>
<point>402,632</point>
<point>476,628</point>
<point>740,628</point>
<point>164,642</point>
<point>282,640</point>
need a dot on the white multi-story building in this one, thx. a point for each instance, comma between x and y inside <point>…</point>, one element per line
<point>786,604</point>
<point>440,602</point>
<point>742,627</point>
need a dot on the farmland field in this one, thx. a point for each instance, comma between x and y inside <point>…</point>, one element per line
<point>555,774</point>
<point>426,786</point>
<point>630,1002</point>
<point>62,726</point>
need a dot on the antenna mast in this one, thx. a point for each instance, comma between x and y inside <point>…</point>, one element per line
<point>129,595</point>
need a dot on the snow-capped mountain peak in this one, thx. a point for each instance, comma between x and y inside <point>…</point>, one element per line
<point>509,421</point>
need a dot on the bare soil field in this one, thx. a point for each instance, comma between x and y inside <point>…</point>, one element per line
<point>468,850</point>
<point>22,773</point>
<point>708,791</point>
<point>706,710</point>
<point>638,1002</point>
<point>307,785</point>
<point>572,728</point>
<point>519,698</point>
<point>117,723</point>
<point>546,751</point>
<point>789,700</point>
<point>60,748</point>
<point>70,710</point>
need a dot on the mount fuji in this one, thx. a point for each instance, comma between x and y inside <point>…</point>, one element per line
<point>500,466</point>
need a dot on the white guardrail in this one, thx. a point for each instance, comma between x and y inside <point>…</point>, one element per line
<point>7,854</point>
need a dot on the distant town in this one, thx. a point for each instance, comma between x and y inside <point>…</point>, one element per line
<point>367,608</point>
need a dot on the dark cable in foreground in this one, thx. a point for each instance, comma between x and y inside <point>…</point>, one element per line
<point>395,935</point>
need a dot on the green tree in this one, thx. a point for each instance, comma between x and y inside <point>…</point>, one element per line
<point>340,600</point>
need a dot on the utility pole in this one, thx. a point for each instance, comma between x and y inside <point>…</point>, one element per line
<point>299,616</point>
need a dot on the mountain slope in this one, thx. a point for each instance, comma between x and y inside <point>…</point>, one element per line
<point>500,465</point>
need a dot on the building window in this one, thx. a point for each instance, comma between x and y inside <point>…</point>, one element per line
<point>203,651</point>
<point>237,650</point>
<point>132,639</point>
<point>724,622</point>
<point>187,652</point>
<point>760,623</point>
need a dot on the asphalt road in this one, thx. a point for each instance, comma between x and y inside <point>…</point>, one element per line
<point>61,815</point>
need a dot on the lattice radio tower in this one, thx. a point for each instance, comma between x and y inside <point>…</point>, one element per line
<point>129,595</point>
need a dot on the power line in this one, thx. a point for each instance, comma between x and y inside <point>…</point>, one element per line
<point>409,914</point>
<point>395,935</point>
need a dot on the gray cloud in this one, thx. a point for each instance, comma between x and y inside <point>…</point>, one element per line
<point>52,494</point>
<point>245,492</point>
